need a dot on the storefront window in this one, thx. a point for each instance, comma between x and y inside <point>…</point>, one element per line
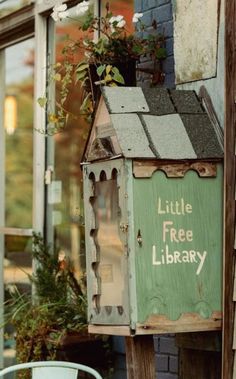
<point>65,150</point>
<point>10,6</point>
<point>17,197</point>
<point>65,224</point>
<point>18,124</point>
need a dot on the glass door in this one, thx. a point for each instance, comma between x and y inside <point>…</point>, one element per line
<point>16,176</point>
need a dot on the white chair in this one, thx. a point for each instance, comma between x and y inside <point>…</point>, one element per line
<point>52,370</point>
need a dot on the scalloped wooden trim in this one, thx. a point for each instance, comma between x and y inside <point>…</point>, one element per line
<point>145,169</point>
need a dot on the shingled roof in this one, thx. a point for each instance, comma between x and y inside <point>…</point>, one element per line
<point>151,123</point>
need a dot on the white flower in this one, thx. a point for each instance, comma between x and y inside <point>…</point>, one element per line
<point>59,12</point>
<point>136,17</point>
<point>82,8</point>
<point>118,20</point>
<point>121,24</point>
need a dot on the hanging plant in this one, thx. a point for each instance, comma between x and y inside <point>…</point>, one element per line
<point>103,58</point>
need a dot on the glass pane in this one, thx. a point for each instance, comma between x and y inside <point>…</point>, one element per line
<point>10,6</point>
<point>65,149</point>
<point>17,266</point>
<point>18,124</point>
<point>110,268</point>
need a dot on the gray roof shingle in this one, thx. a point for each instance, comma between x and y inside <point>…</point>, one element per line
<point>160,123</point>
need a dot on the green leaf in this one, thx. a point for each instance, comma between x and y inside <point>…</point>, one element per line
<point>81,75</point>
<point>42,101</point>
<point>108,68</point>
<point>101,69</point>
<point>84,82</point>
<point>118,78</point>
<point>161,53</point>
<point>115,70</point>
<point>82,66</point>
<point>57,77</point>
<point>108,78</point>
<point>86,102</point>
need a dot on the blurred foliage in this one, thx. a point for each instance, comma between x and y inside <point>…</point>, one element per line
<point>59,305</point>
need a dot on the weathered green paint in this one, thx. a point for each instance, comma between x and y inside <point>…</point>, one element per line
<point>131,246</point>
<point>167,274</point>
<point>171,289</point>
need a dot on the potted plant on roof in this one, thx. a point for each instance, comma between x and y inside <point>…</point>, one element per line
<point>52,323</point>
<point>109,59</point>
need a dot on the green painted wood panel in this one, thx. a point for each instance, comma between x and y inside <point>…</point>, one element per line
<point>179,264</point>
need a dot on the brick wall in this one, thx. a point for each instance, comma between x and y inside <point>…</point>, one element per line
<point>166,357</point>
<point>161,11</point>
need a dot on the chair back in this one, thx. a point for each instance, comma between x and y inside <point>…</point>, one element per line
<point>52,370</point>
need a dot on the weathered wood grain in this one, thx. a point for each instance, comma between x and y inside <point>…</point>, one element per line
<point>229,180</point>
<point>199,364</point>
<point>200,341</point>
<point>188,322</point>
<point>145,169</point>
<point>140,357</point>
<point>115,330</point>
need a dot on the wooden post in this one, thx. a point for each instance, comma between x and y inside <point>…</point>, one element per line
<point>229,219</point>
<point>140,357</point>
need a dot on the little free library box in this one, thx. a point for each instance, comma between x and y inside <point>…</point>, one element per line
<point>153,214</point>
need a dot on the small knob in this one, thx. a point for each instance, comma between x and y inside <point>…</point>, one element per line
<point>139,238</point>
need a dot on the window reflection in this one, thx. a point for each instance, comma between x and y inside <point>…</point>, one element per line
<point>18,126</point>
<point>17,262</point>
<point>17,267</point>
<point>66,215</point>
<point>18,123</point>
<point>65,155</point>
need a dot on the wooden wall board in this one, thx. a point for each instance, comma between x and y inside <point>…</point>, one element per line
<point>200,341</point>
<point>188,322</point>
<point>199,364</point>
<point>229,179</point>
<point>113,330</point>
<point>145,169</point>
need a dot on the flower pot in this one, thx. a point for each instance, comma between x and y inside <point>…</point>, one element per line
<point>126,68</point>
